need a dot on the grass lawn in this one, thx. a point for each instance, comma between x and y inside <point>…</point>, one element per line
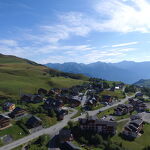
<point>106,112</point>
<point>14,131</point>
<point>146,100</point>
<point>125,116</point>
<point>139,143</point>
<point>18,75</point>
<point>116,93</point>
<point>79,108</point>
<point>98,106</point>
<point>18,148</point>
<point>111,82</point>
<point>130,94</point>
<point>111,111</point>
<point>47,121</point>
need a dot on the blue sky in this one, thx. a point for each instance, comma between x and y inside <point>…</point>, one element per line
<point>83,31</point>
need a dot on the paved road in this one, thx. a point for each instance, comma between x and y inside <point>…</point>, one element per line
<point>145,116</point>
<point>84,98</point>
<point>93,113</point>
<point>54,129</point>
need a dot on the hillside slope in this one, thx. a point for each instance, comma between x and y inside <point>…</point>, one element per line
<point>19,75</point>
<point>144,83</point>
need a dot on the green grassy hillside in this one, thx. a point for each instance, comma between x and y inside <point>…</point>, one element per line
<point>144,83</point>
<point>21,75</point>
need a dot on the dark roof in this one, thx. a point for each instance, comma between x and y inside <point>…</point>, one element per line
<point>2,117</point>
<point>106,96</point>
<point>64,133</point>
<point>8,104</point>
<point>139,94</point>
<point>17,109</point>
<point>137,122</point>
<point>34,121</point>
<point>70,146</point>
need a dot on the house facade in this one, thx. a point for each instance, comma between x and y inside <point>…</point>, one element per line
<point>107,98</point>
<point>133,128</point>
<point>33,122</point>
<point>17,112</point>
<point>123,109</point>
<point>98,125</point>
<point>9,106</point>
<point>4,122</point>
<point>138,104</point>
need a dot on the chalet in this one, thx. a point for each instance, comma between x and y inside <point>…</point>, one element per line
<point>107,98</point>
<point>36,98</point>
<point>17,112</point>
<point>138,104</point>
<point>75,101</point>
<point>139,95</point>
<point>141,106</point>
<point>56,91</point>
<point>112,89</point>
<point>91,102</point>
<point>4,122</point>
<point>26,98</point>
<point>33,122</point>
<point>8,106</point>
<point>51,92</point>
<point>119,86</point>
<point>65,135</point>
<point>64,97</point>
<point>69,146</point>
<point>42,91</point>
<point>51,103</point>
<point>61,113</point>
<point>135,117</point>
<point>123,109</point>
<point>64,90</point>
<point>98,125</point>
<point>133,129</point>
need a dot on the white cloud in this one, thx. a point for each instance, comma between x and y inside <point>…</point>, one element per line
<point>111,16</point>
<point>8,42</point>
<point>124,16</point>
<point>125,44</point>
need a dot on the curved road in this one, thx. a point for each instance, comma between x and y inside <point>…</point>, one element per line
<point>54,129</point>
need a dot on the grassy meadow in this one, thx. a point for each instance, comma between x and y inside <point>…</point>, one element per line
<point>23,76</point>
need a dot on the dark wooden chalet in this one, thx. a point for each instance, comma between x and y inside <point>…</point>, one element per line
<point>17,112</point>
<point>42,91</point>
<point>34,122</point>
<point>4,122</point>
<point>107,98</point>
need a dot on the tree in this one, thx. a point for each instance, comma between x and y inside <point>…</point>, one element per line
<point>96,139</point>
<point>83,140</point>
<point>43,140</point>
<point>105,85</point>
<point>51,113</point>
<point>130,88</point>
<point>70,124</point>
<point>114,84</point>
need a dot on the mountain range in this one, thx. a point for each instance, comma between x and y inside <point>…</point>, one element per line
<point>125,71</point>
